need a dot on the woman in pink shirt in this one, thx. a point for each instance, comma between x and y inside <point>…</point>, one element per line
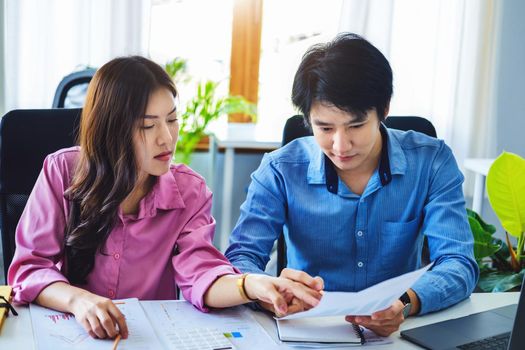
<point>115,219</point>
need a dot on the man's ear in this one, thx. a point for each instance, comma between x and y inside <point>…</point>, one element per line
<point>387,109</point>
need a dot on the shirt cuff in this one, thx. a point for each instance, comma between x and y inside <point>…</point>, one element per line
<point>205,281</point>
<point>34,283</point>
<point>429,300</point>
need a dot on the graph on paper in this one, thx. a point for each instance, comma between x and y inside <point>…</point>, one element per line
<point>55,330</point>
<point>169,318</point>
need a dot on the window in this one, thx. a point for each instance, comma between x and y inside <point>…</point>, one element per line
<point>289,28</point>
<point>198,31</point>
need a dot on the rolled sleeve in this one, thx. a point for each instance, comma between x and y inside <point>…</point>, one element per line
<point>197,263</point>
<point>261,220</point>
<point>39,236</point>
<point>451,244</point>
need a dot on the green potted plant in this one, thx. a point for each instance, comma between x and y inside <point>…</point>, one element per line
<point>501,265</point>
<point>202,109</point>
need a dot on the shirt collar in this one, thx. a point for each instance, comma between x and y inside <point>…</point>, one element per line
<point>167,193</point>
<point>392,161</point>
<point>164,195</point>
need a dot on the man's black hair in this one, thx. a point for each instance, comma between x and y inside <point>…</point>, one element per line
<point>348,73</point>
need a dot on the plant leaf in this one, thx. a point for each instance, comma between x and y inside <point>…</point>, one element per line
<point>497,281</point>
<point>506,191</point>
<point>487,227</point>
<point>484,243</point>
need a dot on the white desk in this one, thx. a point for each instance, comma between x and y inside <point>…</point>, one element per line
<point>480,166</point>
<point>238,136</point>
<point>18,332</point>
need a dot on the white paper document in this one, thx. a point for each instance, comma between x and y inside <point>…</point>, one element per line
<point>236,324</point>
<point>56,330</point>
<point>378,297</point>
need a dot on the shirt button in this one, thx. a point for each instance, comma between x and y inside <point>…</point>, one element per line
<point>360,264</point>
<point>359,233</point>
<point>116,256</point>
<point>111,293</point>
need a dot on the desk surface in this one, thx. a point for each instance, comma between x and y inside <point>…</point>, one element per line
<point>479,165</point>
<point>18,332</point>
<point>248,135</point>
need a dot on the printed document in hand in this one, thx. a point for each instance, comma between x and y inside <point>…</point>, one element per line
<point>378,297</point>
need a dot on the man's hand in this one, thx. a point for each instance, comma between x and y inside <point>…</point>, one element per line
<point>384,322</point>
<point>294,304</point>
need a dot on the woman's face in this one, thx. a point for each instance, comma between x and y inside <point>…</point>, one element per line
<point>155,138</point>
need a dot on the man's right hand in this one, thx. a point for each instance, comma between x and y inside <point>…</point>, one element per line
<point>295,305</point>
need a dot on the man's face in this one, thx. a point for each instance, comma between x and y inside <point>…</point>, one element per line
<point>352,143</point>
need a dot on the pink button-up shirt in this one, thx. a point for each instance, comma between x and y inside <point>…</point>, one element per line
<point>167,243</point>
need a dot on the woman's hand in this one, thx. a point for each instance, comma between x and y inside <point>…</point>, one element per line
<point>295,304</point>
<point>283,296</point>
<point>99,316</point>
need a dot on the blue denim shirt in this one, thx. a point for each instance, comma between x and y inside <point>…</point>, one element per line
<point>355,241</point>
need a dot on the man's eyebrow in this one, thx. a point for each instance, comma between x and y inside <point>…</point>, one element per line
<point>357,120</point>
<point>320,122</point>
<point>149,116</point>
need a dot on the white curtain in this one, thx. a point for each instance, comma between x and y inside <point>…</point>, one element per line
<point>48,39</point>
<point>442,55</point>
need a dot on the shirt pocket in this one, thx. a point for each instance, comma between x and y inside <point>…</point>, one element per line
<point>398,243</point>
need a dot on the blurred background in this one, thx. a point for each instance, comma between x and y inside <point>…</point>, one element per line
<point>458,63</point>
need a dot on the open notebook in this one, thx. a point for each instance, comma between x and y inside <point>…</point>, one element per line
<point>328,331</point>
<point>320,330</point>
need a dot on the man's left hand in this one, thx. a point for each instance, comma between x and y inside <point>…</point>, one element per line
<point>384,322</point>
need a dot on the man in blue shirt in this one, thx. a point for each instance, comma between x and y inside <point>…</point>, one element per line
<point>356,199</point>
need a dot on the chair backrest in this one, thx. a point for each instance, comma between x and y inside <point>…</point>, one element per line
<point>296,127</point>
<point>71,91</point>
<point>26,138</point>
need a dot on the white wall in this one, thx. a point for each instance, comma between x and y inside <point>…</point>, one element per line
<point>510,73</point>
<point>509,102</point>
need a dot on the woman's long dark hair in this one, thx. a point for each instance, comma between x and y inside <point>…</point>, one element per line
<point>106,172</point>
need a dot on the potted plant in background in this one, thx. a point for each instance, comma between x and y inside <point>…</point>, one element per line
<point>501,265</point>
<point>203,108</point>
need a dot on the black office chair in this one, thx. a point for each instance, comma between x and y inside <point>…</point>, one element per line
<point>296,127</point>
<point>71,92</point>
<point>26,138</point>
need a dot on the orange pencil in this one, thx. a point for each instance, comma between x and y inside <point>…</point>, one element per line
<point>115,343</point>
<point>118,337</point>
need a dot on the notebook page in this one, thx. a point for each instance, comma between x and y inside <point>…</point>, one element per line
<point>324,332</point>
<point>318,329</point>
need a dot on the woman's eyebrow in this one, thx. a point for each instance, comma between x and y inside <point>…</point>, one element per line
<point>149,116</point>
